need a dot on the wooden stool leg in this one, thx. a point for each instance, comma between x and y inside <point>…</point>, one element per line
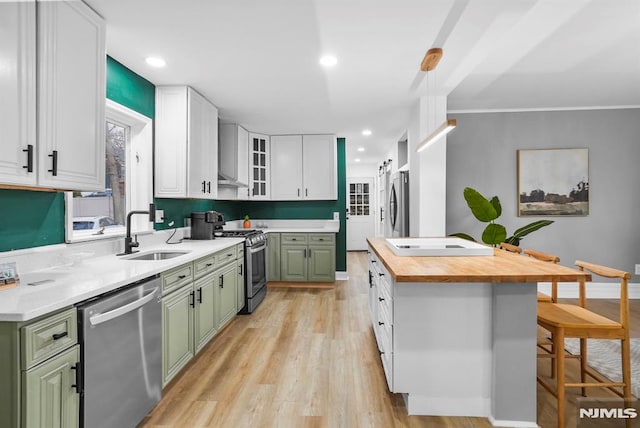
<point>558,342</point>
<point>553,360</point>
<point>583,365</point>
<point>626,368</point>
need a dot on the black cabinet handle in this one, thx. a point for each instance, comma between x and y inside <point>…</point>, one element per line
<point>182,276</point>
<point>209,264</point>
<point>78,384</point>
<point>221,281</point>
<point>54,163</point>
<point>298,192</point>
<point>57,336</point>
<point>381,352</point>
<point>380,299</point>
<point>229,255</point>
<point>380,323</point>
<point>381,274</point>
<point>199,295</point>
<point>370,280</point>
<point>29,152</point>
<point>241,269</point>
<point>306,192</point>
<point>208,187</point>
<point>204,184</point>
<point>192,299</point>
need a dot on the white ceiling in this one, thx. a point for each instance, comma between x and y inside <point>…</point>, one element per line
<point>257,60</point>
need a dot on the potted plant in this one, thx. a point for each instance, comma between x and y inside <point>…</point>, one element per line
<point>487,211</point>
<point>246,223</point>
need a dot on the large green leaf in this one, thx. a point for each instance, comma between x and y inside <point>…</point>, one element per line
<point>481,208</point>
<point>463,236</point>
<point>495,202</point>
<point>494,234</point>
<point>513,241</point>
<point>531,227</point>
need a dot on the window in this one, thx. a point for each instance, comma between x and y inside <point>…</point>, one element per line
<point>359,199</point>
<point>128,169</point>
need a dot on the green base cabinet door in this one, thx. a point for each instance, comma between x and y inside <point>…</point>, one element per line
<point>204,316</point>
<point>294,263</point>
<point>50,398</point>
<point>227,293</point>
<point>273,257</point>
<point>177,331</point>
<point>322,263</point>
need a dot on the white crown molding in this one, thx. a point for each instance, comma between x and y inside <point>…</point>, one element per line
<point>523,110</point>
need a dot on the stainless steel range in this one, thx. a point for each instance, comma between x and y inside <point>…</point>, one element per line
<point>255,278</point>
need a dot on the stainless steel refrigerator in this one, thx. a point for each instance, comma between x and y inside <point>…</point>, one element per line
<point>398,204</point>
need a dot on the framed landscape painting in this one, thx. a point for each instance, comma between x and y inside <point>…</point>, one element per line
<point>553,182</point>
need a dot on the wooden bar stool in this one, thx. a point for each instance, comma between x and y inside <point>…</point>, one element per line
<point>545,257</point>
<point>564,320</point>
<point>511,248</point>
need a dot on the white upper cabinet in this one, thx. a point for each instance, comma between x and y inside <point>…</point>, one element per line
<point>233,156</point>
<point>71,96</point>
<point>259,166</point>
<point>286,171</point>
<point>70,61</point>
<point>303,167</point>
<point>319,166</point>
<point>18,93</point>
<point>186,144</point>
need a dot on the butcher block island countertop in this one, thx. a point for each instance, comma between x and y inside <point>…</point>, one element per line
<point>502,267</point>
<point>457,334</point>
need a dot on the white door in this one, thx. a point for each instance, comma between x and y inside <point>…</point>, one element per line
<point>361,207</point>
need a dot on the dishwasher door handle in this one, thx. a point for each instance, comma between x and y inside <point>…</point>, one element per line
<point>115,313</point>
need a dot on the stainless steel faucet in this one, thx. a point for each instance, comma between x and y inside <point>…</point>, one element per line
<point>130,243</point>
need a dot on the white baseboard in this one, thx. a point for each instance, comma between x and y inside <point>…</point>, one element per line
<point>595,290</point>
<point>512,424</point>
<point>342,276</point>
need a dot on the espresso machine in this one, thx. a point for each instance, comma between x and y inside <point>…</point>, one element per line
<point>204,224</point>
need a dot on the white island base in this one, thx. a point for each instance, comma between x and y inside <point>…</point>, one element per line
<point>456,348</point>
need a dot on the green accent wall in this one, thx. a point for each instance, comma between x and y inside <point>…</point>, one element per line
<point>31,219</point>
<point>129,89</point>
<point>177,210</point>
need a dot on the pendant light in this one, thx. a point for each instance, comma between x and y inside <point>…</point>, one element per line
<point>429,63</point>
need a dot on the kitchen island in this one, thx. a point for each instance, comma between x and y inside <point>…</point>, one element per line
<point>457,334</point>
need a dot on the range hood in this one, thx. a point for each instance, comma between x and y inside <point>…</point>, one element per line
<point>227,181</point>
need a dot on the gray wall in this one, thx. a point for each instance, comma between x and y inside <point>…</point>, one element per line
<point>481,153</point>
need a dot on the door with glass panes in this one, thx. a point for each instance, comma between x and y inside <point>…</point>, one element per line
<point>361,212</point>
<point>259,186</point>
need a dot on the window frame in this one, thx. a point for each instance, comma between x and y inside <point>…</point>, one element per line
<point>139,174</point>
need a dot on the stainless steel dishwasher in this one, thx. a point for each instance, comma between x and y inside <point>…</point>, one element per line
<point>121,354</point>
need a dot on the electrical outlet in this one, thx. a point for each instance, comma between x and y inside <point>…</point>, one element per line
<point>637,269</point>
<point>159,216</point>
<point>336,215</point>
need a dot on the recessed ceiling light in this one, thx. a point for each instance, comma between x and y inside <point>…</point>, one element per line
<point>361,149</point>
<point>357,159</point>
<point>155,62</point>
<point>366,132</point>
<point>328,60</point>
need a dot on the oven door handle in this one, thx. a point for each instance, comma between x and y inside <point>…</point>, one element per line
<point>254,250</point>
<point>107,316</point>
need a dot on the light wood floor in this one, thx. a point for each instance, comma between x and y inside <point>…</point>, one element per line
<point>306,358</point>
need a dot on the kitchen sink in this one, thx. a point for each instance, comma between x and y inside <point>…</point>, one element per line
<point>156,255</point>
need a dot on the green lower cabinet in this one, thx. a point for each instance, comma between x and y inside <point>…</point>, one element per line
<point>204,317</point>
<point>308,257</point>
<point>227,294</point>
<point>322,263</point>
<point>177,331</point>
<point>49,399</point>
<point>293,263</point>
<point>273,257</point>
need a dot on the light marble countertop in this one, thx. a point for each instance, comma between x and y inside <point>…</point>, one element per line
<point>81,271</point>
<point>84,279</point>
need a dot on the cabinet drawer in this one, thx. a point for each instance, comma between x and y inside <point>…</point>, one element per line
<point>225,256</point>
<point>203,266</point>
<point>177,277</point>
<point>322,238</point>
<point>47,337</point>
<point>293,238</point>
